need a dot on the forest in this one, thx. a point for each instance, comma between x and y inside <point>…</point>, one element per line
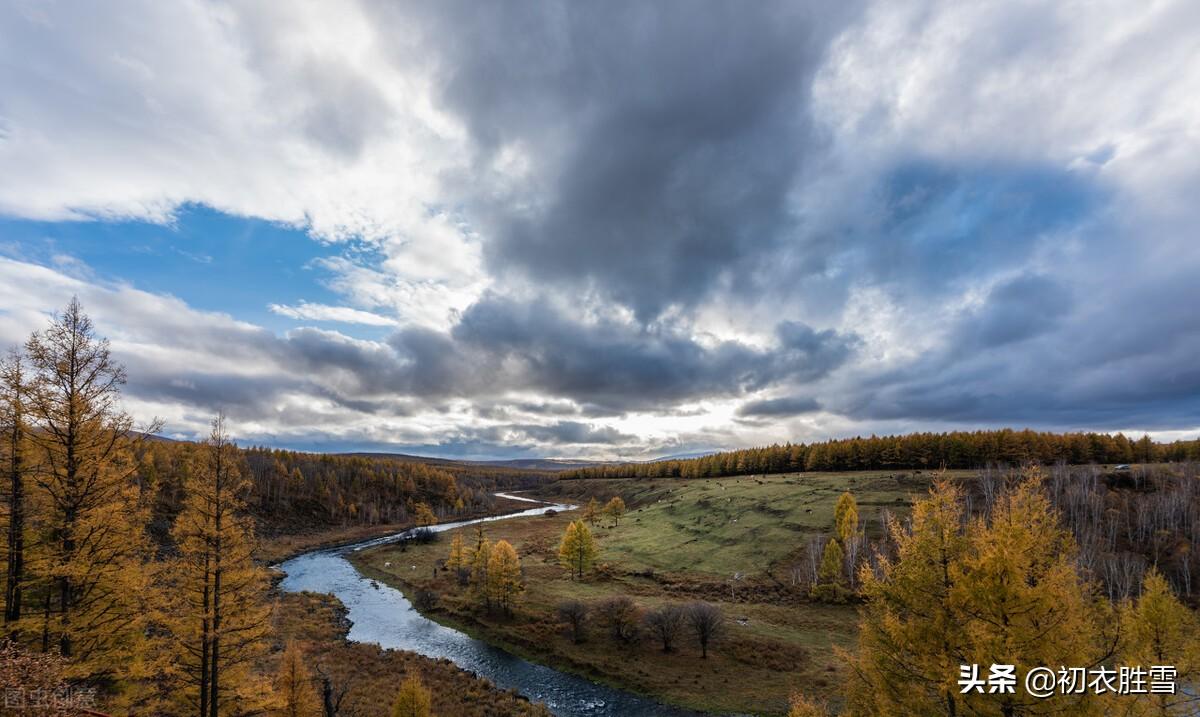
<point>958,449</point>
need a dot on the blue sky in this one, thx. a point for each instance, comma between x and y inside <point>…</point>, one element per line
<point>561,234</point>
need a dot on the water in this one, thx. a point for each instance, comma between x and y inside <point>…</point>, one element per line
<point>382,615</point>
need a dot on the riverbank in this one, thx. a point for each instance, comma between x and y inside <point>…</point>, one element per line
<point>371,675</point>
<point>675,545</point>
<point>278,548</point>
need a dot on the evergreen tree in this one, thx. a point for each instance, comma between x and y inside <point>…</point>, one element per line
<point>577,551</point>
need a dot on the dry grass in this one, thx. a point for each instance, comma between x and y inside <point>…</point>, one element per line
<point>680,541</point>
<point>318,624</point>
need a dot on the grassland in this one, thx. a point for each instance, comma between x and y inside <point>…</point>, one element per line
<point>681,540</point>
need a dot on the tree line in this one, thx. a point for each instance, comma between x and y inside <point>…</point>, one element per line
<point>954,450</point>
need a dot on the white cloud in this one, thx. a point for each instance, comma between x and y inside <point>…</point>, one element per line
<point>321,312</point>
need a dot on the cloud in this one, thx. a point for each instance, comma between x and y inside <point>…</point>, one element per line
<point>320,312</point>
<point>775,407</point>
<point>610,226</point>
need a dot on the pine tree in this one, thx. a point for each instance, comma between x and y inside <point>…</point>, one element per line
<point>614,509</point>
<point>1160,630</point>
<point>294,685</point>
<point>220,622</point>
<point>845,517</point>
<point>504,581</point>
<point>413,700</point>
<point>577,551</point>
<point>91,545</point>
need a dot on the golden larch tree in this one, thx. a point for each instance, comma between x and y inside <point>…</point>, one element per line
<point>504,580</point>
<point>423,515</point>
<point>591,512</point>
<point>413,699</point>
<point>294,688</point>
<point>220,620</point>
<point>577,550</point>
<point>12,425</point>
<point>1160,630</point>
<point>480,558</point>
<point>1001,590</point>
<point>457,558</point>
<point>845,517</point>
<point>90,545</point>
<point>614,509</point>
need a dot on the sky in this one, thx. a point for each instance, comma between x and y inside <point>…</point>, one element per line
<point>612,230</point>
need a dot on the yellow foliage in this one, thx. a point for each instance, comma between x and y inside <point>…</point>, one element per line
<point>845,517</point>
<point>504,582</point>
<point>294,685</point>
<point>413,700</point>
<point>577,551</point>
<point>1003,590</point>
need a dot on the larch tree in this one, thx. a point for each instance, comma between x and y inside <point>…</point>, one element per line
<point>423,515</point>
<point>480,559</point>
<point>413,699</point>
<point>831,564</point>
<point>294,687</point>
<point>614,509</point>
<point>457,558</point>
<point>1160,630</point>
<point>577,550</point>
<point>845,518</point>
<point>12,423</point>
<point>89,531</point>
<point>1001,590</point>
<point>591,512</point>
<point>504,581</point>
<point>220,622</point>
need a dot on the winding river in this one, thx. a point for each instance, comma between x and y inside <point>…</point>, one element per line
<point>382,615</point>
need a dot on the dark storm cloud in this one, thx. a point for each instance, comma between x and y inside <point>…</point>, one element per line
<point>624,366</point>
<point>1122,358</point>
<point>664,137</point>
<point>573,432</point>
<point>779,407</point>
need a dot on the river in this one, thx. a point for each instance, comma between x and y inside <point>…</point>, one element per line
<point>382,615</point>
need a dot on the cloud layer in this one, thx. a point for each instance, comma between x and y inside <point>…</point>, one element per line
<point>632,228</point>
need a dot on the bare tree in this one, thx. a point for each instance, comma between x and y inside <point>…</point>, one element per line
<point>620,615</point>
<point>665,623</point>
<point>574,613</point>
<point>707,622</point>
